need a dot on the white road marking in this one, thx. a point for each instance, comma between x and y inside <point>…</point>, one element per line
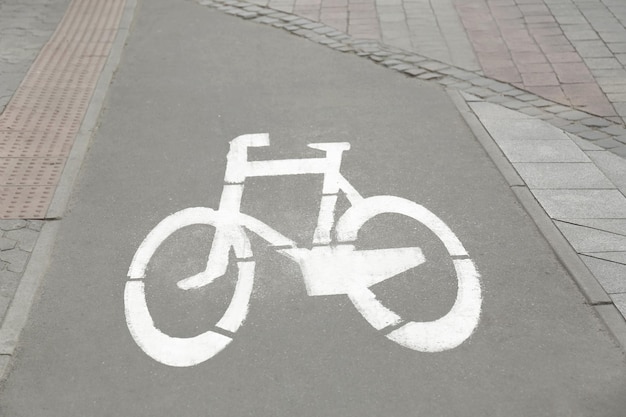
<point>450,330</point>
<point>352,220</point>
<point>342,269</point>
<point>190,351</point>
<point>327,270</point>
<point>238,308</point>
<point>326,220</point>
<point>372,310</point>
<point>455,327</point>
<point>172,351</point>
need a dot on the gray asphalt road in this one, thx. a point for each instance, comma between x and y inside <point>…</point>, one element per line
<point>191,80</point>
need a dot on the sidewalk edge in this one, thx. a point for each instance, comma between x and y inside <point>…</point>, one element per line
<point>591,289</point>
<point>17,314</point>
<point>89,125</point>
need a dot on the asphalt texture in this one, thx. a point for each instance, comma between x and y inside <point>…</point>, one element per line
<point>192,79</point>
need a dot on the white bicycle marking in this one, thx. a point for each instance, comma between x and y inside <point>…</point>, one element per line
<point>331,267</point>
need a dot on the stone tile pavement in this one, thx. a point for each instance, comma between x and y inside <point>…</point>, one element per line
<point>581,188</point>
<point>24,29</point>
<point>17,241</point>
<point>571,52</point>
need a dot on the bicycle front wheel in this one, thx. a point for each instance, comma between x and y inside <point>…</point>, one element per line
<point>442,334</point>
<point>176,351</point>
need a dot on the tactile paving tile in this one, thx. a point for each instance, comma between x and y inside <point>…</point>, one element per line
<point>31,171</point>
<point>40,123</point>
<point>25,201</point>
<point>35,144</point>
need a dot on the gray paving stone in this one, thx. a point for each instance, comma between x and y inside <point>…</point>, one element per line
<point>12,224</point>
<point>607,143</point>
<point>481,81</point>
<point>573,115</point>
<point>6,244</point>
<point>429,76</point>
<point>515,105</point>
<point>391,62</point>
<point>470,97</point>
<point>576,128</point>
<point>26,238</point>
<point>461,85</point>
<point>499,99</point>
<point>541,103</point>
<point>596,122</point>
<point>621,151</point>
<point>617,257</point>
<point>582,204</point>
<point>587,240</point>
<point>544,151</point>
<point>522,129</point>
<point>593,135</point>
<point>526,97</point>
<point>616,226</point>
<point>485,110</point>
<point>414,71</point>
<point>556,108</point>
<point>402,67</point>
<point>515,92</point>
<point>585,145</point>
<point>577,175</point>
<point>434,66</point>
<point>532,111</point>
<point>480,91</point>
<point>611,275</point>
<point>613,166</point>
<point>620,302</point>
<point>602,63</point>
<point>8,284</point>
<point>500,86</point>
<point>15,258</point>
<point>558,122</point>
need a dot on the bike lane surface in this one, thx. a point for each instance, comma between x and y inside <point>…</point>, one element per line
<point>192,79</point>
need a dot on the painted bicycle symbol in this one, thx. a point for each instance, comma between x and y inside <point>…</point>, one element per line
<point>332,266</point>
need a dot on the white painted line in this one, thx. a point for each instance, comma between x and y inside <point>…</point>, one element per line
<point>459,323</point>
<point>342,269</point>
<point>190,351</point>
<point>172,351</point>
<point>238,155</point>
<point>351,193</point>
<point>455,327</point>
<point>372,310</point>
<point>238,308</point>
<point>352,220</point>
<point>286,167</point>
<point>326,220</point>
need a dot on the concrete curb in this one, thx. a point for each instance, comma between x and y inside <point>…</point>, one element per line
<point>593,292</point>
<point>19,309</point>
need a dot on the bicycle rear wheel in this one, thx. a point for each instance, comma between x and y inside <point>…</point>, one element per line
<point>176,351</point>
<point>442,334</point>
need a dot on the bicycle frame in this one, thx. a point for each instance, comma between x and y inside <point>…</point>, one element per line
<point>327,269</point>
<point>238,168</point>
